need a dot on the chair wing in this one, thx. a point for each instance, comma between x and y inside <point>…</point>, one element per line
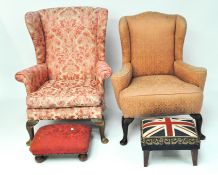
<point>34,25</point>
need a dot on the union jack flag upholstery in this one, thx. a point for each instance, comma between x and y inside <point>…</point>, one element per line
<point>169,133</point>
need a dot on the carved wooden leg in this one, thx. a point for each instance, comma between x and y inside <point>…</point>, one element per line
<point>146,157</point>
<point>198,119</point>
<point>194,157</point>
<point>101,124</point>
<point>125,124</point>
<point>40,159</point>
<point>82,157</point>
<point>30,128</point>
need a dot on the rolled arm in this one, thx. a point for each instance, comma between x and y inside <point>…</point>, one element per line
<point>190,74</point>
<point>121,79</point>
<point>33,77</point>
<point>103,71</point>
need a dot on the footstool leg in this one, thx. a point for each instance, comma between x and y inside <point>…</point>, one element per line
<point>146,157</point>
<point>125,125</point>
<point>40,159</point>
<point>30,128</point>
<point>82,157</point>
<point>194,157</point>
<point>198,119</point>
<point>101,124</point>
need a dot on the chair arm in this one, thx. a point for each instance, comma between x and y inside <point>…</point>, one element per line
<point>33,77</point>
<point>103,71</point>
<point>190,74</point>
<point>121,79</point>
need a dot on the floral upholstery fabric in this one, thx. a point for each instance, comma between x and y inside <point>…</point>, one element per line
<point>61,139</point>
<point>65,93</point>
<point>67,82</point>
<point>33,77</point>
<point>101,32</point>
<point>71,36</point>
<point>34,26</point>
<point>65,113</point>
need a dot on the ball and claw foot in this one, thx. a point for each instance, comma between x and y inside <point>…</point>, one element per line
<point>202,137</point>
<point>104,140</point>
<point>28,143</point>
<point>123,141</point>
<point>40,159</point>
<point>82,157</point>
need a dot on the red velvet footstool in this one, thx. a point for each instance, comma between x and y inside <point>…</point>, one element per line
<point>61,139</point>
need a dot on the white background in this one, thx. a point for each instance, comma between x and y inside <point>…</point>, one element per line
<point>17,53</point>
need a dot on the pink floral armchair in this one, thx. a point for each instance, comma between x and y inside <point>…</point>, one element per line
<point>67,82</point>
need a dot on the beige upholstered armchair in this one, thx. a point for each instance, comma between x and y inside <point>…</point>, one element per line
<point>67,82</point>
<point>154,80</point>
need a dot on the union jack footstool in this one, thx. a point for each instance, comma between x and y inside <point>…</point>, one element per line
<point>61,139</point>
<point>169,134</point>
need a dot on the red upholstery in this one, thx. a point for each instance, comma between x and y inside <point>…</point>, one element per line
<point>67,82</point>
<point>61,139</point>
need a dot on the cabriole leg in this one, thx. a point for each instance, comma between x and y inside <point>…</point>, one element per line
<point>101,124</point>
<point>30,128</point>
<point>125,125</point>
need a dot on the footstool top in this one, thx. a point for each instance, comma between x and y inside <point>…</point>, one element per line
<point>61,139</point>
<point>169,133</point>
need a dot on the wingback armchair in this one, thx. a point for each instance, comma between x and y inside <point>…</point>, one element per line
<point>67,82</point>
<point>154,80</point>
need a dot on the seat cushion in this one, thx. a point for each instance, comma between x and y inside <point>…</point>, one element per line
<point>169,133</point>
<point>160,95</point>
<point>61,139</point>
<point>65,93</point>
<point>95,112</point>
